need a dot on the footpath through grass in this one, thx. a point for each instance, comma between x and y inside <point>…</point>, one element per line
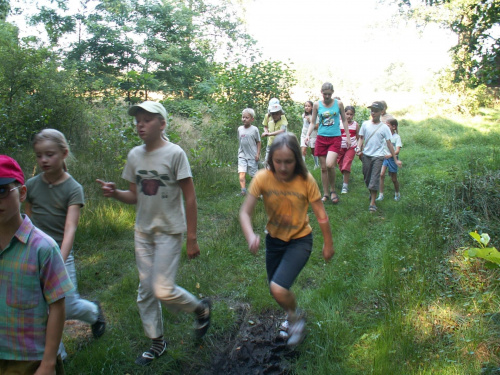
<point>396,298</point>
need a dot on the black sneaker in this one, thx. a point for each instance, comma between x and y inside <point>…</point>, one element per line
<point>149,356</point>
<point>203,319</point>
<point>99,326</point>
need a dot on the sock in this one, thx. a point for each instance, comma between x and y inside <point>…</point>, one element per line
<point>345,185</point>
<point>158,346</point>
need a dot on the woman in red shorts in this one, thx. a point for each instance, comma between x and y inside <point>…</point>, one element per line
<point>328,142</point>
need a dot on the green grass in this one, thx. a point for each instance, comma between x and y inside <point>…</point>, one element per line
<point>396,298</point>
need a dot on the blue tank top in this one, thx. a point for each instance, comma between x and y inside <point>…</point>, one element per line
<point>329,119</point>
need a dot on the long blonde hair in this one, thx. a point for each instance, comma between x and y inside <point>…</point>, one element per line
<point>58,138</point>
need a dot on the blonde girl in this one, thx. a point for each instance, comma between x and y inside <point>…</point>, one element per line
<point>53,203</point>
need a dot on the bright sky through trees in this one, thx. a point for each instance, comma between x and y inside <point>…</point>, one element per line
<point>358,39</point>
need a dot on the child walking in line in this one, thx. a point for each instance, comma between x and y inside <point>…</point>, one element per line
<point>373,135</point>
<point>328,142</point>
<point>249,149</point>
<point>53,203</point>
<point>159,175</point>
<point>33,287</point>
<point>346,155</point>
<point>287,189</point>
<point>274,122</point>
<point>389,162</point>
<point>306,119</point>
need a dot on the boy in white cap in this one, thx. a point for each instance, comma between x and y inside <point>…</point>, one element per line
<point>33,286</point>
<point>159,175</point>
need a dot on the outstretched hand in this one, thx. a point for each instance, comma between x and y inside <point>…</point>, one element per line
<point>108,188</point>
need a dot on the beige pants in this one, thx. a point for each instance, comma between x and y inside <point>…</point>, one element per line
<point>157,257</point>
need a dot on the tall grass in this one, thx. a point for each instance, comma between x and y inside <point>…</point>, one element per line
<point>397,297</point>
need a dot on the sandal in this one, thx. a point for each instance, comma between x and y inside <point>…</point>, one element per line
<point>335,198</point>
<point>325,198</point>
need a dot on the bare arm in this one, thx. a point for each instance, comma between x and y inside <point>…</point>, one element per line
<point>55,325</point>
<point>257,157</point>
<point>72,218</point>
<point>109,190</point>
<point>324,224</point>
<point>346,125</point>
<point>187,187</point>
<point>360,144</point>
<point>399,163</point>
<point>246,212</point>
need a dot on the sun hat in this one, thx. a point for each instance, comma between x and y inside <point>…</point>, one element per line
<point>274,108</point>
<point>272,102</point>
<point>377,105</point>
<point>10,171</point>
<point>148,106</point>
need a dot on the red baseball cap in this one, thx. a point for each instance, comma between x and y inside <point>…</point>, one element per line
<point>10,171</point>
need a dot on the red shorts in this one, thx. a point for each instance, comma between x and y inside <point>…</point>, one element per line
<point>326,144</point>
<point>345,158</point>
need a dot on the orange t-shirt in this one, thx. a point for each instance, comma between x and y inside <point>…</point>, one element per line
<point>286,203</point>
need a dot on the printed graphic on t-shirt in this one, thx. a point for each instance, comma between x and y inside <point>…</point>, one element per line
<point>150,181</point>
<point>328,118</point>
<point>283,208</point>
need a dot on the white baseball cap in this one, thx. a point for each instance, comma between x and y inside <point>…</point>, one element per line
<point>149,106</point>
<point>272,102</point>
<point>275,108</point>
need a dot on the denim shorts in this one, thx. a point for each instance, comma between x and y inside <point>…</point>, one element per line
<point>391,165</point>
<point>285,260</point>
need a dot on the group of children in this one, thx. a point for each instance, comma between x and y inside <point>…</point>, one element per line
<point>38,288</point>
<point>331,144</point>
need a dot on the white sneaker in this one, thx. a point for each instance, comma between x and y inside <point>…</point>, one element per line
<point>284,326</point>
<point>380,197</point>
<point>296,332</point>
<point>344,189</point>
<point>397,197</point>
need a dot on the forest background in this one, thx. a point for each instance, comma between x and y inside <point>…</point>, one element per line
<point>77,66</point>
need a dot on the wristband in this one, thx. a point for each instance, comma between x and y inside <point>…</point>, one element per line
<point>325,220</point>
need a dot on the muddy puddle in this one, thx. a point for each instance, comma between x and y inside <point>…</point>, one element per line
<point>255,347</point>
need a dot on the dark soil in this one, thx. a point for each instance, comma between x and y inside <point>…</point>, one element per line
<point>254,348</point>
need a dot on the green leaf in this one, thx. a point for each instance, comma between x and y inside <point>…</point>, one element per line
<point>476,236</point>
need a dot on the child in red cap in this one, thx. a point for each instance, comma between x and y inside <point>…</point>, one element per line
<point>34,283</point>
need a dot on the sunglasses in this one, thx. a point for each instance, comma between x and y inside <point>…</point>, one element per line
<point>5,191</point>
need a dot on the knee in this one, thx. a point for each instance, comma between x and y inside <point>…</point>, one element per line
<point>163,293</point>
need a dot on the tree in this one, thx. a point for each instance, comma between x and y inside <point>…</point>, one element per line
<point>476,56</point>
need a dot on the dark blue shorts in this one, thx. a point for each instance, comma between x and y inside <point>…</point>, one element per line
<point>285,260</point>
